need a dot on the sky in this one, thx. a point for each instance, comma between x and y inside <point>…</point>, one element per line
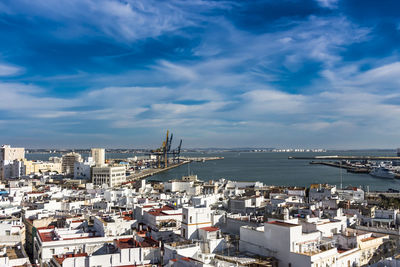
<point>119,73</point>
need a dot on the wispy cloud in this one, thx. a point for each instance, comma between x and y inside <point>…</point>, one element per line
<point>219,72</point>
<point>121,20</point>
<point>328,3</point>
<point>9,70</point>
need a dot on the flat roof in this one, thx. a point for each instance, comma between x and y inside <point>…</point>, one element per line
<point>210,229</point>
<point>285,224</point>
<point>132,243</point>
<point>61,258</point>
<point>161,211</point>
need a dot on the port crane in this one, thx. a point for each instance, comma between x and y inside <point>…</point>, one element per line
<point>162,152</point>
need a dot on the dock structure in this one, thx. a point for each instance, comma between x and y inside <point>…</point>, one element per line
<point>201,159</point>
<point>349,168</point>
<point>150,172</point>
<point>347,158</point>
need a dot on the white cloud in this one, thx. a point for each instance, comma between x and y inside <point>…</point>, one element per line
<point>127,20</point>
<point>267,102</point>
<point>9,70</point>
<point>176,71</point>
<point>328,3</point>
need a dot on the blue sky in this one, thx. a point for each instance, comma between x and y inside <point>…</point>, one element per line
<point>114,73</point>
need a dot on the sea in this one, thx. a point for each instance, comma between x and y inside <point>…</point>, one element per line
<point>271,168</point>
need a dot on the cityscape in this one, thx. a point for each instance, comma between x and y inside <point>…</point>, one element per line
<point>100,211</point>
<point>202,133</point>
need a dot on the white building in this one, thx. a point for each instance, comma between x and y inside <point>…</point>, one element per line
<point>293,247</point>
<point>319,192</point>
<point>109,175</point>
<point>164,221</point>
<point>189,187</point>
<point>17,169</point>
<point>193,219</point>
<point>245,205</point>
<point>12,231</point>
<point>57,241</point>
<point>8,155</point>
<point>122,252</point>
<point>352,194</point>
<point>114,225</point>
<point>13,256</point>
<point>211,239</point>
<point>99,156</point>
<point>82,170</point>
<point>68,162</point>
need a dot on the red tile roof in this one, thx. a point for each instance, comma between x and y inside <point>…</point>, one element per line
<point>46,236</point>
<point>159,211</point>
<point>367,239</point>
<point>61,258</point>
<point>132,243</point>
<point>210,229</point>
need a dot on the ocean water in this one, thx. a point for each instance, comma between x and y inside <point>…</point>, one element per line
<point>271,168</point>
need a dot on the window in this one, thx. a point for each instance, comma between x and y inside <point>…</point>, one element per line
<point>190,219</point>
<point>8,232</point>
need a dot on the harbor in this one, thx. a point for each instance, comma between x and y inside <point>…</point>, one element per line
<point>150,172</point>
<point>349,168</point>
<point>377,166</point>
<point>335,157</point>
<point>153,171</point>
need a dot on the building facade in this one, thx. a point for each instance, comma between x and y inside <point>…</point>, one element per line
<point>68,162</point>
<point>99,156</point>
<point>109,175</point>
<point>8,155</point>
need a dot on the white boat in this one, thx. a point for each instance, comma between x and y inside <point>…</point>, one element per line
<point>382,172</point>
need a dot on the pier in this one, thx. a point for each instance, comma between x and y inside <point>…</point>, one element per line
<point>201,159</point>
<point>150,172</point>
<point>349,168</point>
<point>347,158</point>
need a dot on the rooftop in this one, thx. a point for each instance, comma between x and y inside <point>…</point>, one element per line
<point>162,211</point>
<point>210,229</point>
<point>285,224</point>
<point>368,239</point>
<point>61,258</point>
<point>132,243</point>
<point>50,234</point>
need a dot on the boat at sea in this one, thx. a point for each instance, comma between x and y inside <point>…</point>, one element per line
<point>383,172</point>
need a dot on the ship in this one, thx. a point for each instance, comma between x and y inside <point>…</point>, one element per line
<point>382,172</point>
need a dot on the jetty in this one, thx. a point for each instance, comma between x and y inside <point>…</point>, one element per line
<point>347,158</point>
<point>201,159</point>
<point>150,172</point>
<point>153,171</point>
<point>349,168</point>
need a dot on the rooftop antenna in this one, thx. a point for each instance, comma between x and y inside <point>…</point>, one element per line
<point>341,176</point>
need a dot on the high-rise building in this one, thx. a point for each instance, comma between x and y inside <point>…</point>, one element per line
<point>83,169</point>
<point>68,162</point>
<point>99,156</point>
<point>8,155</point>
<point>109,175</point>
